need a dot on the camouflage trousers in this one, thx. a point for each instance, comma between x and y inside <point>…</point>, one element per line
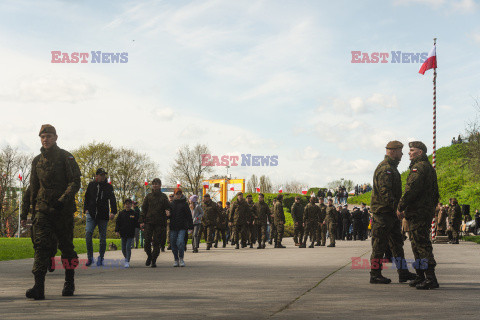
<point>210,233</point>
<point>386,234</point>
<point>252,233</point>
<point>280,229</point>
<point>321,233</point>
<point>422,245</point>
<point>240,231</point>
<point>153,234</point>
<point>48,228</point>
<point>454,230</point>
<point>273,232</point>
<point>332,230</point>
<point>298,232</point>
<point>220,234</point>
<point>309,231</point>
<point>261,231</point>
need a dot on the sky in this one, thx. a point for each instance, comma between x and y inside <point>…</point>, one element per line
<point>243,77</point>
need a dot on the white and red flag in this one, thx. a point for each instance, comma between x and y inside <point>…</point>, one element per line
<point>146,182</point>
<point>20,176</point>
<point>431,62</point>
<point>109,180</point>
<point>205,184</point>
<point>232,188</point>
<point>304,190</point>
<point>280,190</point>
<point>178,184</point>
<point>257,189</point>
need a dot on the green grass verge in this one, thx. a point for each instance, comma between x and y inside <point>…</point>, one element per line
<point>13,248</point>
<point>475,239</point>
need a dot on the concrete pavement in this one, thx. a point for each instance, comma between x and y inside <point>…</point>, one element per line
<point>289,283</point>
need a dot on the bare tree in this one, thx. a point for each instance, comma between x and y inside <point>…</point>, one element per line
<point>473,136</point>
<point>348,184</point>
<point>265,184</point>
<point>252,183</point>
<point>187,167</point>
<point>9,164</point>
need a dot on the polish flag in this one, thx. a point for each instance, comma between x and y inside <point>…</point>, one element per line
<point>431,62</point>
<point>232,188</point>
<point>178,184</point>
<point>146,182</point>
<point>109,180</point>
<point>280,190</point>
<point>304,191</point>
<point>20,177</point>
<point>257,189</point>
<point>205,184</point>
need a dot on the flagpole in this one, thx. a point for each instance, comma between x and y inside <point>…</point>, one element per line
<point>434,110</point>
<point>19,209</point>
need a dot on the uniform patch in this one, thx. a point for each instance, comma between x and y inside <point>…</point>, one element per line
<point>71,157</point>
<point>414,170</point>
<point>389,172</point>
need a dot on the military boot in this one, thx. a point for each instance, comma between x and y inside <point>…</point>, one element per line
<point>263,245</point>
<point>69,285</point>
<point>317,244</point>
<point>149,260</point>
<point>279,245</point>
<point>270,242</point>
<point>331,245</point>
<point>51,265</point>
<point>405,275</point>
<point>260,245</point>
<point>209,245</point>
<point>216,244</point>
<point>251,245</point>
<point>379,279</point>
<point>420,277</point>
<point>237,246</point>
<point>311,245</point>
<point>302,245</point>
<point>154,263</point>
<point>37,292</point>
<point>430,281</point>
<point>224,245</point>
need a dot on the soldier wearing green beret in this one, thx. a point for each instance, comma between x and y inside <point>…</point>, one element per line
<point>417,206</point>
<point>386,227</point>
<point>54,181</point>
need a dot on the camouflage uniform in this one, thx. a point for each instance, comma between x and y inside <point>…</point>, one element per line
<point>386,227</point>
<point>252,235</point>
<point>310,221</point>
<point>273,230</point>
<point>155,219</point>
<point>54,181</point>
<point>331,222</point>
<point>279,221</point>
<point>297,217</point>
<point>321,231</point>
<point>419,202</point>
<point>262,211</point>
<point>238,218</point>
<point>209,219</point>
<point>454,220</point>
<point>221,226</point>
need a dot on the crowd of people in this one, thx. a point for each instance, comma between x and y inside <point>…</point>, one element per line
<point>448,220</point>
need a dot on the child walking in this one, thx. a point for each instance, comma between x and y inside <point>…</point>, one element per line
<point>127,221</point>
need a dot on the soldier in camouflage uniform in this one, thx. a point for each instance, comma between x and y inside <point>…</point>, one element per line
<point>279,220</point>
<point>310,222</point>
<point>238,219</point>
<point>263,211</point>
<point>297,217</point>
<point>418,206</point>
<point>221,225</point>
<point>331,222</point>
<point>386,227</point>
<point>252,236</point>
<point>454,220</point>
<point>54,182</point>
<point>153,219</point>
<point>273,230</point>
<point>209,219</point>
<point>321,231</point>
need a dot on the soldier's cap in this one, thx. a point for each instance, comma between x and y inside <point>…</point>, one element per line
<point>127,201</point>
<point>261,195</point>
<point>239,193</point>
<point>419,145</point>
<point>206,195</point>
<point>454,200</point>
<point>47,128</point>
<point>100,171</point>
<point>394,145</point>
<point>156,181</point>
<point>297,198</point>
<point>249,195</point>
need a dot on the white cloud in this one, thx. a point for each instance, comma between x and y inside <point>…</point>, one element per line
<point>165,113</point>
<point>476,37</point>
<point>464,6</point>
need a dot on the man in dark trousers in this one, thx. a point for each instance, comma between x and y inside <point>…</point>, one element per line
<point>346,220</point>
<point>357,224</point>
<point>100,206</point>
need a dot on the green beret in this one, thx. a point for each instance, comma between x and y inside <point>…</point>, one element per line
<point>419,145</point>
<point>394,145</point>
<point>47,128</point>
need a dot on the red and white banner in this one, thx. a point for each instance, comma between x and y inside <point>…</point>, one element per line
<point>431,62</point>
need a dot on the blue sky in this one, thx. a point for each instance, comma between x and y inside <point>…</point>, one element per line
<point>259,77</point>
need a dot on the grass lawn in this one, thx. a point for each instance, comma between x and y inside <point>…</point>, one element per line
<point>13,248</point>
<point>475,239</point>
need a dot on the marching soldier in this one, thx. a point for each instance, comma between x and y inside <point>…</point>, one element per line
<point>331,222</point>
<point>221,225</point>
<point>279,220</point>
<point>322,228</point>
<point>209,219</point>
<point>238,220</point>
<point>297,217</point>
<point>262,210</point>
<point>252,237</point>
<point>54,181</point>
<point>418,206</point>
<point>310,221</point>
<point>273,230</point>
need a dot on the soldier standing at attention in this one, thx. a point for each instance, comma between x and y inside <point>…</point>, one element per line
<point>54,181</point>
<point>273,230</point>
<point>279,220</point>
<point>252,237</point>
<point>310,221</point>
<point>418,207</point>
<point>297,217</point>
<point>221,231</point>
<point>238,220</point>
<point>322,228</point>
<point>209,219</point>
<point>386,227</point>
<point>153,219</point>
<point>454,220</point>
<point>331,222</point>
<point>262,210</point>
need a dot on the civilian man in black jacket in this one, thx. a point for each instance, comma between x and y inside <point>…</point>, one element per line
<point>99,202</point>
